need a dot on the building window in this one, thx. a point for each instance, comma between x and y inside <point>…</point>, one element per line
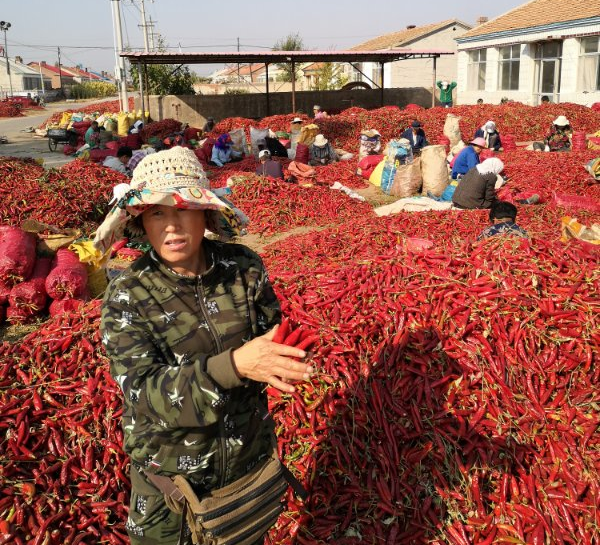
<point>357,71</point>
<point>477,64</point>
<point>589,65</point>
<point>510,62</point>
<point>377,74</point>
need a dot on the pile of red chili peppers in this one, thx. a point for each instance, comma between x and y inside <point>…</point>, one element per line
<point>75,195</point>
<point>456,393</point>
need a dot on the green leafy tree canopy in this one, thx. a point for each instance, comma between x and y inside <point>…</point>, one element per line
<point>165,79</point>
<point>292,42</point>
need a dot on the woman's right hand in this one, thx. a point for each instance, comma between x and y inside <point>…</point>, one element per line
<point>263,360</point>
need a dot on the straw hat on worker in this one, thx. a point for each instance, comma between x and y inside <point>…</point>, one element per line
<point>171,177</point>
<point>320,141</point>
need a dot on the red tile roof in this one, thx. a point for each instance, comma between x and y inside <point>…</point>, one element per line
<point>538,13</point>
<point>51,68</point>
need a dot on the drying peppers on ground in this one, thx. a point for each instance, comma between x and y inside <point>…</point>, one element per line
<point>455,398</point>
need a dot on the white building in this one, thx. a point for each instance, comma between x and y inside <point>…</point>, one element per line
<point>23,78</point>
<point>411,72</point>
<point>543,47</point>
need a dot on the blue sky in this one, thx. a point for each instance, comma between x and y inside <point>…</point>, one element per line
<point>84,29</point>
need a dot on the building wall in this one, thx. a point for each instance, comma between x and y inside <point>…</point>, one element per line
<point>528,84</point>
<point>18,78</point>
<point>194,109</point>
<point>419,72</point>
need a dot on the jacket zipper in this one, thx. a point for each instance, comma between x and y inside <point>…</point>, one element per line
<point>219,531</point>
<point>211,328</point>
<point>216,513</point>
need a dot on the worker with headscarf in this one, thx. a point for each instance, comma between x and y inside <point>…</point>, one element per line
<point>477,188</point>
<point>223,151</point>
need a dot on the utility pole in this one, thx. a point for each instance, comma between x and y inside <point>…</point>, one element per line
<point>151,27</point>
<point>60,73</point>
<point>4,26</point>
<point>144,26</point>
<point>238,66</point>
<point>120,61</point>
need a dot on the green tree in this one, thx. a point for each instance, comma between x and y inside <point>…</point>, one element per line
<point>292,42</point>
<point>165,79</point>
<point>329,77</point>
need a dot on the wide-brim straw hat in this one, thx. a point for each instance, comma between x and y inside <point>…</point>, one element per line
<point>561,121</point>
<point>296,120</point>
<point>320,141</point>
<point>171,177</point>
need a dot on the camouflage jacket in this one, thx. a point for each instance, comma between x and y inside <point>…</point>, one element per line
<point>169,339</point>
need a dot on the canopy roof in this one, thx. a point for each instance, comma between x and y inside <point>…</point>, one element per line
<point>268,57</point>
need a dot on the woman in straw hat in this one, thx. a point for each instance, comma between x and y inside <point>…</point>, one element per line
<point>321,152</point>
<point>189,332</point>
<point>559,137</point>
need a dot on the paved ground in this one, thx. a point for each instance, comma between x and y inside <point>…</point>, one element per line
<point>25,144</point>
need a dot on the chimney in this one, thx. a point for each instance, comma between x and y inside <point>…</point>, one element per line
<point>19,59</point>
<point>481,20</point>
<point>43,63</point>
<point>410,27</point>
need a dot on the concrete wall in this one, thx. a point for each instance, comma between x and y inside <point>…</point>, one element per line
<point>194,109</point>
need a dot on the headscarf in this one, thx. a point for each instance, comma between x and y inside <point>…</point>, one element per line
<point>493,165</point>
<point>489,127</point>
<point>223,142</point>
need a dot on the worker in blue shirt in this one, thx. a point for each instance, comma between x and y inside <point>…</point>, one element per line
<point>467,158</point>
<point>416,136</point>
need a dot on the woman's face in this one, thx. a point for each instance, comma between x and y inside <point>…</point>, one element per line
<point>176,236</point>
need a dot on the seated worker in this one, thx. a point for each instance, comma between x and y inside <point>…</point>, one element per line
<point>416,136</point>
<point>119,163</point>
<point>275,147</point>
<point>559,137</point>
<point>92,135</point>
<point>477,188</point>
<point>137,156</point>
<point>479,101</point>
<point>137,127</point>
<point>503,216</point>
<point>318,113</point>
<point>223,151</point>
<point>545,99</point>
<point>467,158</point>
<point>208,126</point>
<point>295,125</point>
<point>267,166</point>
<point>490,134</point>
<point>321,152</point>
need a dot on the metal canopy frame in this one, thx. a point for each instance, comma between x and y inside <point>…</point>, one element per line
<point>143,59</point>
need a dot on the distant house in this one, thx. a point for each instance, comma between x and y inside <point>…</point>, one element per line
<point>411,72</point>
<point>54,74</point>
<point>80,75</point>
<point>248,73</point>
<point>541,48</point>
<point>23,78</point>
